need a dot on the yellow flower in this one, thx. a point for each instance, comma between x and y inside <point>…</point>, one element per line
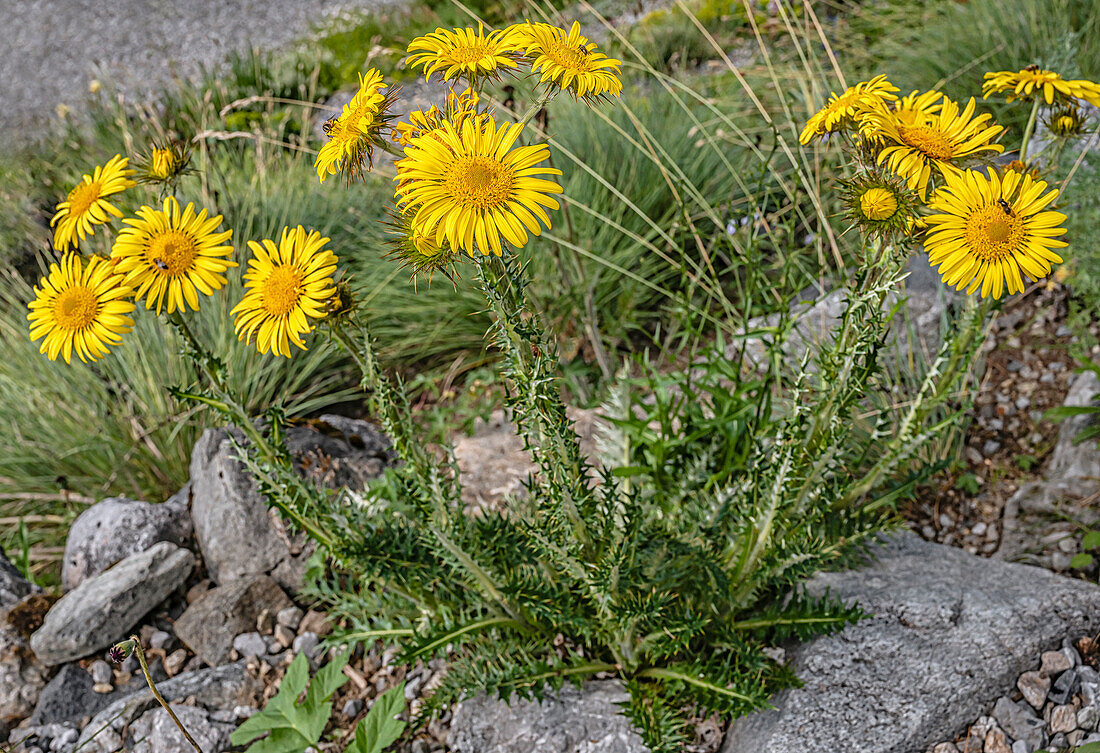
<point>165,163</point>
<point>86,205</point>
<point>1035,81</point>
<point>355,132</point>
<point>459,107</point>
<point>470,186</point>
<point>1066,121</point>
<point>468,53</point>
<point>285,286</point>
<point>171,254</point>
<point>567,60</point>
<point>908,110</point>
<point>990,229</point>
<point>934,142</point>
<point>419,251</point>
<point>80,307</point>
<point>879,203</point>
<point>841,111</point>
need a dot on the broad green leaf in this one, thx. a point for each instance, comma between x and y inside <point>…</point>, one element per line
<point>1063,412</point>
<point>1091,540</point>
<point>380,728</point>
<point>1080,561</point>
<point>294,726</point>
<point>1090,748</point>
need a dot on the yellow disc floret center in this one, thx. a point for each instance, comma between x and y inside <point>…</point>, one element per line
<point>878,204</point>
<point>568,56</point>
<point>282,290</point>
<point>75,308</point>
<point>469,54</point>
<point>993,233</point>
<point>928,140</point>
<point>172,252</point>
<point>479,182</point>
<point>82,197</point>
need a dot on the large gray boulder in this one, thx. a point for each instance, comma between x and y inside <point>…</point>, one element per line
<point>103,609</point>
<point>572,721</point>
<point>237,535</point>
<point>236,532</point>
<point>948,634</point>
<point>213,620</point>
<point>112,530</point>
<point>214,688</point>
<point>68,697</point>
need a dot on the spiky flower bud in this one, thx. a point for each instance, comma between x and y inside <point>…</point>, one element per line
<point>119,652</point>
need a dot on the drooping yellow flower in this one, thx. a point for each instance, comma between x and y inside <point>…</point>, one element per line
<point>468,53</point>
<point>458,108</point>
<point>566,60</point>
<point>286,285</point>
<point>86,205</point>
<point>472,186</point>
<point>355,132</point>
<point>990,231</point>
<point>1034,81</point>
<point>80,307</point>
<point>842,111</point>
<point>419,251</point>
<point>935,142</point>
<point>166,253</point>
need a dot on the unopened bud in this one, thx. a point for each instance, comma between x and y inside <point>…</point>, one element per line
<point>119,652</point>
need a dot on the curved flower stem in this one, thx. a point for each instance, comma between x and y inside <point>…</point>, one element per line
<point>540,103</point>
<point>156,693</point>
<point>1028,130</point>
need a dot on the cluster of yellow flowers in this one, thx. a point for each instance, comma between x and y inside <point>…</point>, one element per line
<point>464,183</point>
<point>985,227</point>
<point>166,256</point>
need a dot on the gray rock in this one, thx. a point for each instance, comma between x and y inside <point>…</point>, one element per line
<point>237,535</point>
<point>949,632</point>
<point>215,688</point>
<point>209,624</point>
<point>101,671</point>
<point>352,707</point>
<point>573,721</point>
<point>306,642</point>
<point>158,734</point>
<point>250,644</point>
<point>1021,746</point>
<point>103,609</point>
<point>1020,721</point>
<point>291,617</point>
<point>112,530</point>
<point>13,586</point>
<point>68,697</point>
<point>1065,687</point>
<point>1088,717</point>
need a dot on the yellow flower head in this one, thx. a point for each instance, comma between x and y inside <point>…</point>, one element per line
<point>80,306</point>
<point>468,53</point>
<point>165,163</point>
<point>166,253</point>
<point>567,61</point>
<point>419,251</point>
<point>989,230</point>
<point>936,142</point>
<point>908,110</point>
<point>1066,121</point>
<point>86,205</point>
<point>472,186</point>
<point>1034,81</point>
<point>458,108</point>
<point>842,111</point>
<point>286,285</point>
<point>355,132</point>
<point>879,204</point>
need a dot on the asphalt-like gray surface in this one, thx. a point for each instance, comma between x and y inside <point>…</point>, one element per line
<point>51,49</point>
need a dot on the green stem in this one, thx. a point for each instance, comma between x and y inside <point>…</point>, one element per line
<point>1028,131</point>
<point>669,674</point>
<point>156,693</point>
<point>540,103</point>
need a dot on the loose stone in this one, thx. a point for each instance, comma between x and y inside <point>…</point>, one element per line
<point>1053,663</point>
<point>1035,687</point>
<point>1063,719</point>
